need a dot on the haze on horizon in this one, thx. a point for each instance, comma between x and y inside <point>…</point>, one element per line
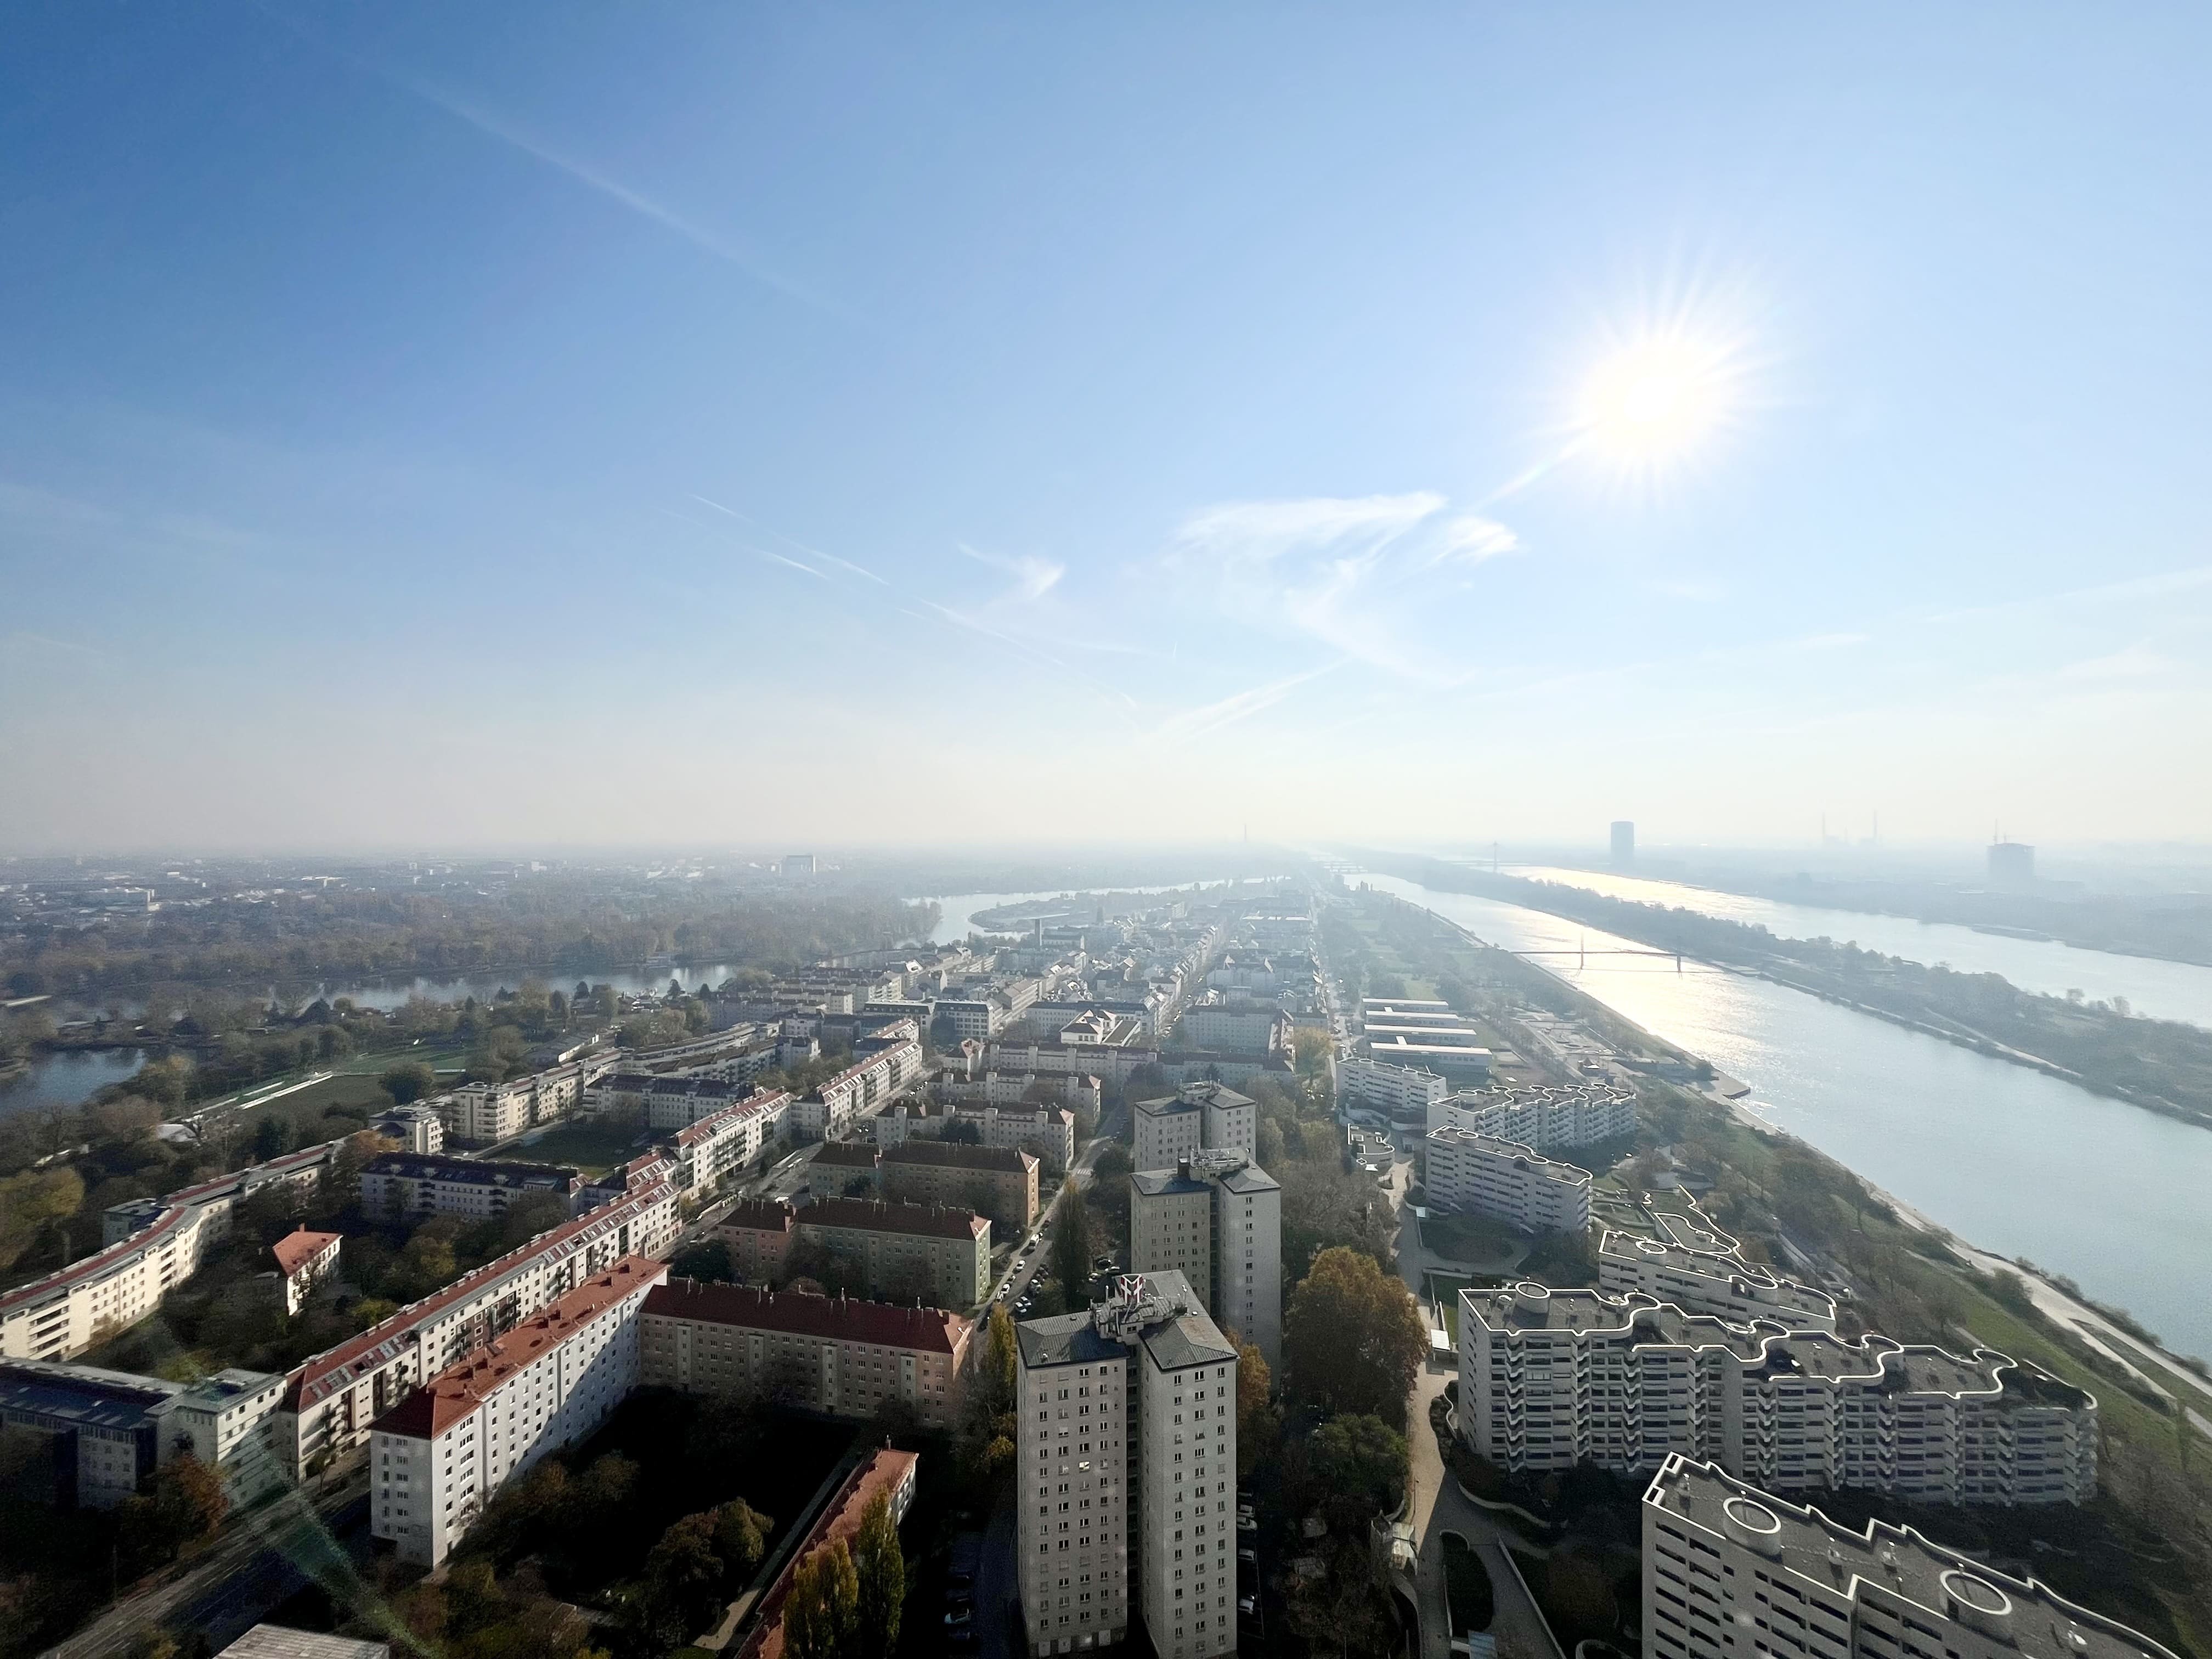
<point>697,424</point>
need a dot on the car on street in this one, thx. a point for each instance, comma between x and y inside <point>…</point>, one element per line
<point>1023,1305</point>
<point>1248,1605</point>
<point>1247,1523</point>
<point>1250,1557</point>
<point>959,1616</point>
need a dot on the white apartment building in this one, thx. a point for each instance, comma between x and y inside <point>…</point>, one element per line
<point>1050,1057</point>
<point>1548,1117</point>
<point>486,1112</point>
<point>417,1129</point>
<point>1700,1269</point>
<point>1482,1174</point>
<point>1048,1132</point>
<point>716,1146</point>
<point>1549,1378</point>
<point>1125,1473</point>
<point>228,1423</point>
<point>153,1245</point>
<point>444,1451</point>
<point>1217,1218</point>
<point>861,1089</point>
<point>1199,1117</point>
<point>330,1402</point>
<point>1407,1091</point>
<point>675,1101</point>
<point>1730,1572</point>
<point>1236,1028</point>
<point>406,1186</point>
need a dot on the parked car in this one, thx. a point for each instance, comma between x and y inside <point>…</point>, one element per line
<point>1247,1523</point>
<point>1249,1556</point>
<point>959,1616</point>
<point>959,1578</point>
<point>1248,1605</point>
<point>1100,1264</point>
<point>963,1637</point>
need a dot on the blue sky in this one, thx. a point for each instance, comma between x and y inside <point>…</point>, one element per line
<point>449,426</point>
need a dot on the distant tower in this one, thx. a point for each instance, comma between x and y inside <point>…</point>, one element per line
<point>1624,844</point>
<point>2011,863</point>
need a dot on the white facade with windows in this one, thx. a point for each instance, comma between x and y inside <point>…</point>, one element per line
<point>1406,1091</point>
<point>1482,1174</point>
<point>1217,1218</point>
<point>1550,1378</point>
<point>1126,1473</point>
<point>1700,1269</point>
<point>444,1452</point>
<point>1199,1117</point>
<point>1547,1118</point>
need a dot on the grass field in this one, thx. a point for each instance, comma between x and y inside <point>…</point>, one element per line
<point>1475,1240</point>
<point>593,1148</point>
<point>1443,1291</point>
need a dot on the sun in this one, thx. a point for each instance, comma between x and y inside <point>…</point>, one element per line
<point>1653,401</point>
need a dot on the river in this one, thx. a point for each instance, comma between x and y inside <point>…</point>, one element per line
<point>2158,989</point>
<point>2012,1160</point>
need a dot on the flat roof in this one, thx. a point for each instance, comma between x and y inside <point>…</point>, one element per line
<point>1903,1564</point>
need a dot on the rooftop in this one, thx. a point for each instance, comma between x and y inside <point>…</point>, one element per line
<point>875,1324</point>
<point>875,1215</point>
<point>759,1215</point>
<point>296,1249</point>
<point>2019,1613</point>
<point>451,1396</point>
<point>281,1642</point>
<point>852,1154</point>
<point>477,1172</point>
<point>952,1155</point>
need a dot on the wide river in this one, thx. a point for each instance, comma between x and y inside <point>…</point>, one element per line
<point>2115,1197</point>
<point>2161,990</point>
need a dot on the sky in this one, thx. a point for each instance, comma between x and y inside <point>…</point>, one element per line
<point>432,426</point>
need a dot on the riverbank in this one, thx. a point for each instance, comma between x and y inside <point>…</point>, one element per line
<point>2156,1066</point>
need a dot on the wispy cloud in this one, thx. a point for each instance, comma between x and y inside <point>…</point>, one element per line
<point>1034,578</point>
<point>1192,723</point>
<point>811,552</point>
<point>1377,578</point>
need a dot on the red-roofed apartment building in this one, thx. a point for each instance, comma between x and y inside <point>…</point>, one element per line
<point>829,1354</point>
<point>304,1259</point>
<point>442,1453</point>
<point>890,1472</point>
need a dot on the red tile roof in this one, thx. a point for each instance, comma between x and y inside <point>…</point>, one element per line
<point>758,1215</point>
<point>878,1324</point>
<point>296,1249</point>
<point>451,1396</point>
<point>840,1518</point>
<point>858,1154</point>
<point>334,1369</point>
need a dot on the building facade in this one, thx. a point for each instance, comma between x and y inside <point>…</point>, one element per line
<point>153,1245</point>
<point>1126,1471</point>
<point>1549,1378</point>
<point>1400,1091</point>
<point>830,1354</point>
<point>1688,1262</point>
<point>1548,1118</point>
<point>1730,1570</point>
<point>758,1235</point>
<point>408,1187</point>
<point>1199,1117</point>
<point>1480,1175</point>
<point>1217,1218</point>
<point>998,1181</point>
<point>439,1455</point>
<point>902,1252</point>
<point>304,1259</point>
<point>330,1402</point>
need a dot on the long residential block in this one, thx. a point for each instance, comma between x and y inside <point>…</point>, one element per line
<point>1551,1378</point>
<point>153,1245</point>
<point>830,1354</point>
<point>1731,1571</point>
<point>408,1187</point>
<point>1547,1118</point>
<point>998,1181</point>
<point>1482,1174</point>
<point>329,1402</point>
<point>1405,1091</point>
<point>441,1454</point>
<point>1700,1269</point>
<point>904,1252</point>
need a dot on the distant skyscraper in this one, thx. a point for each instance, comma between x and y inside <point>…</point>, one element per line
<point>2012,864</point>
<point>1624,844</point>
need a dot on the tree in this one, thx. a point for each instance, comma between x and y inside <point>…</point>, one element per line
<point>879,1567</point>
<point>408,1083</point>
<point>1072,1245</point>
<point>707,1260</point>
<point>272,1138</point>
<point>683,1576</point>
<point>741,1536</point>
<point>32,1202</point>
<point>1312,1049</point>
<point>1258,1422</point>
<point>189,1498</point>
<point>1361,1462</point>
<point>995,1389</point>
<point>1353,1338</point>
<point>821,1613</point>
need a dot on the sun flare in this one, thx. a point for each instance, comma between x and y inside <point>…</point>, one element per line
<point>1654,400</point>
